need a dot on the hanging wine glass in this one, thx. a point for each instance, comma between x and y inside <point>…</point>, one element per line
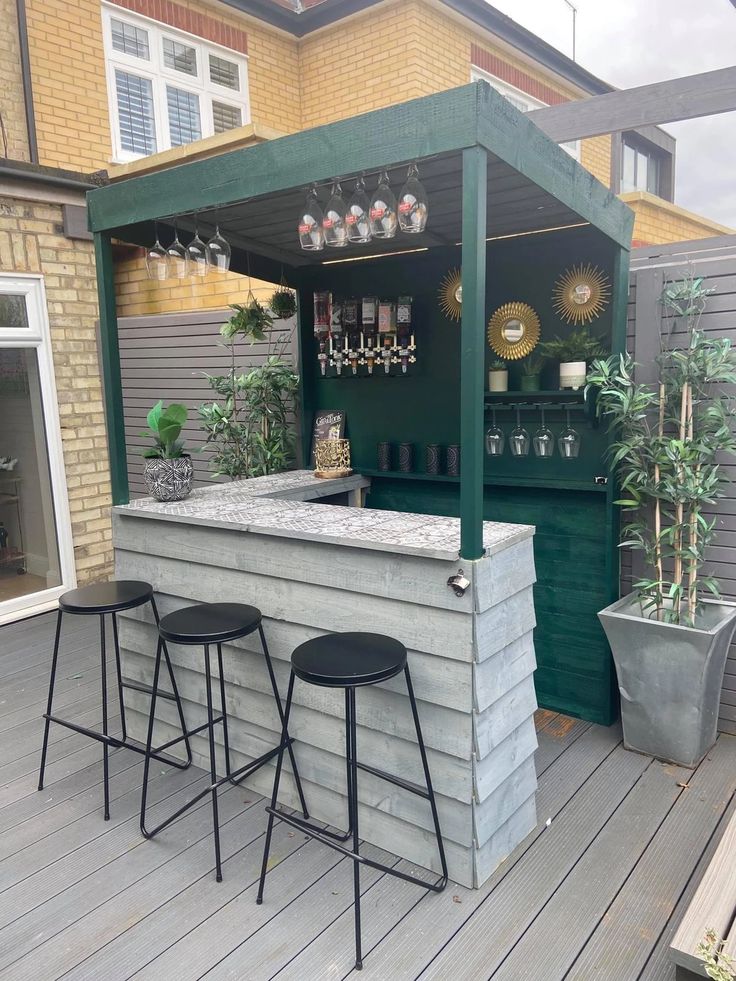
<point>334,222</point>
<point>358,220</point>
<point>544,440</point>
<point>413,207</point>
<point>311,231</point>
<point>218,251</point>
<point>519,438</point>
<point>177,257</point>
<point>197,253</point>
<point>383,210</point>
<point>569,440</point>
<point>495,438</point>
<point>157,260</point>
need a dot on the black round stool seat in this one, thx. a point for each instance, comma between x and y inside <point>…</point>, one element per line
<point>348,660</point>
<point>209,623</point>
<point>106,597</point>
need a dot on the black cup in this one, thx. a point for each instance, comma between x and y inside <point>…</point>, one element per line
<point>406,457</point>
<point>453,460</point>
<point>432,460</point>
<point>384,456</point>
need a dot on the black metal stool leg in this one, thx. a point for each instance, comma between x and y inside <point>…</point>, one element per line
<point>353,808</point>
<point>175,693</point>
<point>149,738</point>
<point>105,746</point>
<point>213,762</point>
<point>52,681</point>
<point>225,737</point>
<point>427,777</point>
<point>276,695</point>
<point>274,795</point>
<point>120,677</point>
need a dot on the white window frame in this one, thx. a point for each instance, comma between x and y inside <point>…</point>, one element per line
<point>514,95</point>
<point>160,76</point>
<point>37,336</point>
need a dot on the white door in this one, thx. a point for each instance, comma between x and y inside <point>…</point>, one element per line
<point>36,554</point>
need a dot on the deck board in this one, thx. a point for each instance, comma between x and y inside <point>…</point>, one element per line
<point>83,898</point>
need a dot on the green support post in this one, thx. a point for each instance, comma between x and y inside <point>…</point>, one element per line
<point>110,357</point>
<point>472,355</point>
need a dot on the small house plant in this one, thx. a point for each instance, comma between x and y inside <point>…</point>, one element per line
<point>498,377</point>
<point>573,353</point>
<point>670,644</point>
<point>283,303</point>
<point>531,373</point>
<point>168,470</point>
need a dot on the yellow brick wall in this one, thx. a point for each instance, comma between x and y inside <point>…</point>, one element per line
<point>31,241</point>
<point>70,92</point>
<point>12,107</point>
<point>657,222</point>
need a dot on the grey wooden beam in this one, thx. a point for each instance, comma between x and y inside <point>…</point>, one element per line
<point>706,94</point>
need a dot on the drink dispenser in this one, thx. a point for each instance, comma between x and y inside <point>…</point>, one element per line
<point>387,332</point>
<point>353,341</point>
<point>337,336</point>
<point>369,318</point>
<point>322,320</point>
<point>405,345</point>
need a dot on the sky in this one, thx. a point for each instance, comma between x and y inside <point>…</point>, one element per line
<point>634,42</point>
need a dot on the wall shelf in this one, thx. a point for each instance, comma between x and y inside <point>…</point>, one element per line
<point>438,477</point>
<point>491,481</point>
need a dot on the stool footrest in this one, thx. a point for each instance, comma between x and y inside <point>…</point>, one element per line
<point>146,689</point>
<point>413,788</point>
<point>184,735</point>
<point>114,742</point>
<point>319,835</point>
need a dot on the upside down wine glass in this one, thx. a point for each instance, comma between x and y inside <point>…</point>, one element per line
<point>495,438</point>
<point>177,256</point>
<point>218,252</point>
<point>519,438</point>
<point>197,252</point>
<point>544,440</point>
<point>157,260</point>
<point>568,440</point>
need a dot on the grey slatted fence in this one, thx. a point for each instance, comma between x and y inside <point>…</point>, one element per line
<point>715,260</point>
<point>167,356</point>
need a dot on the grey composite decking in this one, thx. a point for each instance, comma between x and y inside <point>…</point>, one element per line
<point>595,892</point>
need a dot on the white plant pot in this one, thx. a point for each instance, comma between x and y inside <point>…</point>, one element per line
<point>498,381</point>
<point>572,374</point>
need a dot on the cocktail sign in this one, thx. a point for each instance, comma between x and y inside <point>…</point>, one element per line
<point>322,321</point>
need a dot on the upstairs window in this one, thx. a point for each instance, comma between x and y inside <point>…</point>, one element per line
<point>167,88</point>
<point>521,101</point>
<point>640,168</point>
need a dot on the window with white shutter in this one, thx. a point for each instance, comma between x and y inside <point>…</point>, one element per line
<point>167,88</point>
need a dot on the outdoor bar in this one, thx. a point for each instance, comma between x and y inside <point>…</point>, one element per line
<point>442,561</point>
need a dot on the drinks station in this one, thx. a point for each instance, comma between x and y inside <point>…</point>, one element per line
<point>432,247</point>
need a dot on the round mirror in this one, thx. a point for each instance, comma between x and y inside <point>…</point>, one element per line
<point>513,331</point>
<point>459,294</point>
<point>581,293</point>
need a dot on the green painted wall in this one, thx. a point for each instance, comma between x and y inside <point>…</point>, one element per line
<point>574,551</point>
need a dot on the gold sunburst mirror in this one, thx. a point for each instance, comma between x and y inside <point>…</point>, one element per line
<point>451,294</point>
<point>513,330</point>
<point>581,294</point>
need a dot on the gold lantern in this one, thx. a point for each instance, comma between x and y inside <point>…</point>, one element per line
<point>332,458</point>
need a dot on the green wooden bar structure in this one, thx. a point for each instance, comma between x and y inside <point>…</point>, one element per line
<point>513,210</point>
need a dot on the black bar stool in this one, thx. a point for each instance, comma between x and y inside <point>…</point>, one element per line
<point>102,599</point>
<point>213,624</point>
<point>350,661</point>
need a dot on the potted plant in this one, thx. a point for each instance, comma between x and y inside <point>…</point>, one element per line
<point>531,373</point>
<point>168,470</point>
<point>251,320</point>
<point>498,377</point>
<point>573,353</point>
<point>669,645</point>
<point>283,303</point>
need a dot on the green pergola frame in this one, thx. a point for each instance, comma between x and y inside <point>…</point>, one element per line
<point>473,121</point>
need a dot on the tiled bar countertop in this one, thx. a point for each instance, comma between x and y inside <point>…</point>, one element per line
<point>285,505</point>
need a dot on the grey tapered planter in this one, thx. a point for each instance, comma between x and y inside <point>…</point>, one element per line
<point>669,678</point>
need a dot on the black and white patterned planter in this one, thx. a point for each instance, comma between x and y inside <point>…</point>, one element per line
<point>168,480</point>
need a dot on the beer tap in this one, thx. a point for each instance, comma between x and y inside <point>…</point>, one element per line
<point>322,319</point>
<point>405,345</point>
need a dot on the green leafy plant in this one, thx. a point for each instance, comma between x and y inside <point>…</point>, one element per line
<point>283,303</point>
<point>579,345</point>
<point>250,428</point>
<point>532,365</point>
<point>164,428</point>
<point>669,442</point>
<point>250,320</point>
<point>498,365</point>
<point>718,965</point>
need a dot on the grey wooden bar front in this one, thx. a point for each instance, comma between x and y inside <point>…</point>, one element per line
<point>317,568</point>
